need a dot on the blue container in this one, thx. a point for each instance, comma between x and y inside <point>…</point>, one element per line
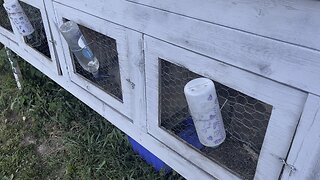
<point>188,134</point>
<point>149,157</point>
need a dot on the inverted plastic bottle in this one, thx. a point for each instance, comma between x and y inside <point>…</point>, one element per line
<point>205,111</point>
<point>79,47</point>
<point>18,17</point>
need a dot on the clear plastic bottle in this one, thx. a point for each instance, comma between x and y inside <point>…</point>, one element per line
<point>79,46</point>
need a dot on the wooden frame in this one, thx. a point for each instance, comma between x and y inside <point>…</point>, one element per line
<point>129,47</point>
<point>264,56</point>
<point>282,123</point>
<point>53,63</point>
<point>8,34</point>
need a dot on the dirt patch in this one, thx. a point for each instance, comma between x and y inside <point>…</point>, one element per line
<point>52,145</point>
<point>28,140</point>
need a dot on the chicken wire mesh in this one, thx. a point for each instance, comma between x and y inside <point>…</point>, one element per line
<point>105,50</point>
<point>245,119</point>
<point>4,19</point>
<point>38,39</point>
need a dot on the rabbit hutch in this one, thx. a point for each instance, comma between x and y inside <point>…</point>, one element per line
<point>215,89</point>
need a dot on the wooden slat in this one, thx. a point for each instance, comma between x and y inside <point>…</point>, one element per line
<point>8,34</point>
<point>286,63</point>
<point>305,151</point>
<point>54,34</point>
<point>295,21</point>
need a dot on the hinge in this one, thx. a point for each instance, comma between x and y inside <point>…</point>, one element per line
<point>291,167</point>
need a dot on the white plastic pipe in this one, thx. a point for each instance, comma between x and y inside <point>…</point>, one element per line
<point>204,108</point>
<point>18,17</point>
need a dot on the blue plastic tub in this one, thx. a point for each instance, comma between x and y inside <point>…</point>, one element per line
<point>188,134</point>
<point>149,157</point>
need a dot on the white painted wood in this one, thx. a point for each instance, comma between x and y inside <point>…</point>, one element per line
<point>287,106</point>
<point>55,33</point>
<point>51,64</point>
<point>285,63</point>
<point>266,57</point>
<point>137,69</point>
<point>174,160</point>
<point>295,21</point>
<point>305,151</point>
<point>129,47</point>
<point>8,34</point>
<point>38,4</point>
<point>8,42</point>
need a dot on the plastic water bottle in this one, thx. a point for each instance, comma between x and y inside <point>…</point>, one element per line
<point>204,108</point>
<point>18,17</point>
<point>79,47</point>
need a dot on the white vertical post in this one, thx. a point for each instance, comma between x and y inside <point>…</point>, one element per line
<point>304,155</point>
<point>15,67</point>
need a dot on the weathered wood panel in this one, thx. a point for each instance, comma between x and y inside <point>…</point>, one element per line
<point>266,57</point>
<point>287,106</point>
<point>305,152</point>
<point>295,21</point>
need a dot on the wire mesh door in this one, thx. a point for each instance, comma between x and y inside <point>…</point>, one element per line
<point>105,50</point>
<point>4,20</point>
<point>245,118</point>
<point>259,122</point>
<point>117,78</point>
<point>38,39</point>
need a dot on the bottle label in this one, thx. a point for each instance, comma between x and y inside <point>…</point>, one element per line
<point>209,123</point>
<point>82,42</point>
<point>86,51</point>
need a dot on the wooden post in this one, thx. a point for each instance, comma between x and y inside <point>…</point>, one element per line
<point>15,67</point>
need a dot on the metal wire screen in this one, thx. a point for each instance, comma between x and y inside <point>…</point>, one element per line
<point>245,119</point>
<point>105,49</point>
<point>38,39</point>
<point>4,19</point>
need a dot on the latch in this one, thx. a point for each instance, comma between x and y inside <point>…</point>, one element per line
<point>291,167</point>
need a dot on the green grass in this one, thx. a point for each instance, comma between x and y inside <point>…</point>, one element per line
<point>46,133</point>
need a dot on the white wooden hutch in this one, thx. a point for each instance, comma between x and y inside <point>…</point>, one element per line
<point>263,55</point>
